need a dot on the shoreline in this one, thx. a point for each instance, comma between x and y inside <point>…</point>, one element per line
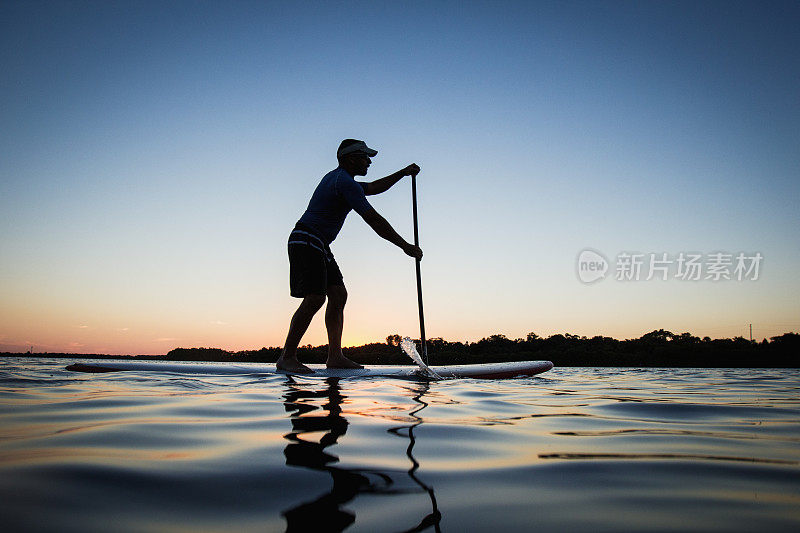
<point>658,348</point>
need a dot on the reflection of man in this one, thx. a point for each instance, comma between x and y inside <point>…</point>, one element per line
<point>313,272</point>
<point>303,402</point>
<point>325,510</point>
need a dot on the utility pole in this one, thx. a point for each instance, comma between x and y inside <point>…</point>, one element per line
<point>751,332</point>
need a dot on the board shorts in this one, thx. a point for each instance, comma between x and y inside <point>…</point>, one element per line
<point>312,267</point>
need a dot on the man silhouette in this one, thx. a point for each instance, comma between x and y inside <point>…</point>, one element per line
<point>313,272</point>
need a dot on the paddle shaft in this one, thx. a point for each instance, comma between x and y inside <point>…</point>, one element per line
<point>419,276</point>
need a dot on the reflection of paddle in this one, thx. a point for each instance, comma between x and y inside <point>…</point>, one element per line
<point>435,516</point>
<point>423,347</point>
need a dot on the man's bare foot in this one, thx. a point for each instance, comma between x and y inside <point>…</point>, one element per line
<point>340,361</point>
<point>291,364</point>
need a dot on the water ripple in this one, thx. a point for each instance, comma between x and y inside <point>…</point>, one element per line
<point>574,449</point>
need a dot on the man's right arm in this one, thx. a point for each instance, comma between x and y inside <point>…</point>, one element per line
<point>385,230</point>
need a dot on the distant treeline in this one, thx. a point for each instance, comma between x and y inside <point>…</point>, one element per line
<point>658,348</point>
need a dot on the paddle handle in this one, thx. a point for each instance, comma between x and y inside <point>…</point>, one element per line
<point>423,346</point>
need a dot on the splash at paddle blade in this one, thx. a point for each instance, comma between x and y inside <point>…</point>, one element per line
<point>410,349</point>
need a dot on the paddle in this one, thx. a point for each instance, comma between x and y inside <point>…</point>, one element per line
<point>419,276</point>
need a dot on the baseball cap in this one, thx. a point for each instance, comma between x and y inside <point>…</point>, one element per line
<point>354,146</point>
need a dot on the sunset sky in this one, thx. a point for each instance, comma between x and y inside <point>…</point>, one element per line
<point>154,157</point>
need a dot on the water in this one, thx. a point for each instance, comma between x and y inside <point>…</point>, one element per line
<point>575,449</point>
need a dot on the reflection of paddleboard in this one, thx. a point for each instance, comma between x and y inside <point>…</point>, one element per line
<point>485,371</point>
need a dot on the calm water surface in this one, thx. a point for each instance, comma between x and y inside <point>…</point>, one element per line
<point>576,449</point>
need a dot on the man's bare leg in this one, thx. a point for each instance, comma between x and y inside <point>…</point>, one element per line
<point>300,321</point>
<point>334,322</point>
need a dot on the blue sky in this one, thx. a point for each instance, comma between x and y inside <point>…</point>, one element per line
<point>155,158</point>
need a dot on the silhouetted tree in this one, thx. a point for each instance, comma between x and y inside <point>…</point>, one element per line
<point>393,340</point>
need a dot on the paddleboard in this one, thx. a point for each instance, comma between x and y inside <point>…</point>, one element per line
<point>483,371</point>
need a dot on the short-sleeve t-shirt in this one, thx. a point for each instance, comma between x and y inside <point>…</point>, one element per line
<point>333,198</point>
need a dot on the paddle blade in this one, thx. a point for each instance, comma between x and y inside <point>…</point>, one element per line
<point>410,349</point>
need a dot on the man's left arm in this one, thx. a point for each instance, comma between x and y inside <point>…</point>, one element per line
<point>384,184</point>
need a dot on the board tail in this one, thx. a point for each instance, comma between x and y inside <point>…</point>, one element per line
<point>410,349</point>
